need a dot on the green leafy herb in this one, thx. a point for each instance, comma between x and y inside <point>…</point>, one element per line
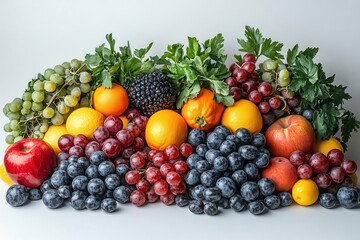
<point>108,65</point>
<point>256,44</point>
<point>199,65</point>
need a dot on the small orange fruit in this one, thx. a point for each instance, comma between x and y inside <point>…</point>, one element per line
<point>305,192</point>
<point>243,114</point>
<point>111,101</point>
<point>164,128</point>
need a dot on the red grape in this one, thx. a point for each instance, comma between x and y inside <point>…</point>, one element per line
<point>81,140</point>
<point>254,75</point>
<point>249,85</point>
<point>286,93</point>
<point>151,196</point>
<point>319,163</point>
<point>168,198</point>
<point>140,122</point>
<point>347,182</point>
<point>275,102</point>
<point>323,180</point>
<point>234,66</point>
<point>62,156</point>
<point>138,143</point>
<point>172,152</point>
<point>143,185</point>
<point>305,171</point>
<point>151,154</point>
<point>91,147</point>
<point>119,160</point>
<point>101,133</point>
<point>113,124</point>
<point>180,167</point>
<point>297,158</point>
<point>265,89</point>
<point>125,137</point>
<point>255,96</point>
<point>65,142</point>
<point>138,198</point>
<point>131,113</point>
<point>240,75</point>
<point>231,82</point>
<point>249,67</point>
<point>152,174</point>
<point>161,187</point>
<point>159,159</point>
<point>278,113</point>
<point>111,147</point>
<point>127,152</point>
<point>173,178</point>
<point>179,189</point>
<point>335,157</point>
<point>76,151</point>
<point>166,168</point>
<point>349,166</point>
<point>133,129</point>
<point>186,150</point>
<point>137,161</point>
<point>264,107</point>
<point>337,174</point>
<point>293,102</point>
<point>248,57</point>
<point>132,177</point>
<point>268,118</point>
<point>235,92</point>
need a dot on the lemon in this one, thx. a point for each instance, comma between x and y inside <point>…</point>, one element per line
<point>84,121</point>
<point>53,134</point>
<point>305,192</point>
<point>326,146</point>
<point>4,176</point>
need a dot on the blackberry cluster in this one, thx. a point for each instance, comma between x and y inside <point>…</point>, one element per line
<point>151,92</point>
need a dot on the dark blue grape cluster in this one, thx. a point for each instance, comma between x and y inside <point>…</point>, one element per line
<point>225,172</point>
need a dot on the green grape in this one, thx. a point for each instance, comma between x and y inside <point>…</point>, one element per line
<point>44,127</point>
<point>9,139</point>
<point>16,133</point>
<point>84,102</point>
<point>70,100</point>
<point>58,119</point>
<point>56,78</point>
<point>48,112</point>
<point>26,96</point>
<point>14,124</point>
<point>269,65</point>
<point>76,91</point>
<point>38,96</point>
<point>26,105</point>
<point>281,67</point>
<point>38,134</point>
<point>268,77</point>
<point>7,127</point>
<point>38,85</point>
<point>37,127</point>
<point>15,106</point>
<point>283,82</point>
<point>18,138</point>
<point>85,87</point>
<point>63,108</point>
<point>85,77</point>
<point>6,108</point>
<point>25,111</point>
<point>59,69</point>
<point>37,106</point>
<point>66,65</point>
<point>48,72</point>
<point>284,74</point>
<point>50,86</point>
<point>13,116</point>
<point>75,64</point>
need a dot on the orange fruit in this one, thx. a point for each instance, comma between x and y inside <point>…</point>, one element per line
<point>111,101</point>
<point>124,120</point>
<point>243,114</point>
<point>84,121</point>
<point>53,134</point>
<point>305,192</point>
<point>164,128</point>
<point>326,146</point>
<point>4,176</point>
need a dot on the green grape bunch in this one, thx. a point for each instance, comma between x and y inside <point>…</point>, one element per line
<point>48,100</point>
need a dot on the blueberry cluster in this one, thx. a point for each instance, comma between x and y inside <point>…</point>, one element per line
<point>225,172</point>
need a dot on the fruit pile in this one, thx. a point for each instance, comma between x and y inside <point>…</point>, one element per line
<point>184,129</point>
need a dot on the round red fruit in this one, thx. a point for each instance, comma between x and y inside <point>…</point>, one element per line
<point>127,152</point>
<point>337,174</point>
<point>151,196</point>
<point>159,159</point>
<point>111,147</point>
<point>335,157</point>
<point>249,67</point>
<point>125,137</point>
<point>248,57</point>
<point>161,187</point>
<point>180,167</point>
<point>186,150</point>
<point>274,102</point>
<point>92,147</point>
<point>323,180</point>
<point>81,140</point>
<point>297,158</point>
<point>249,85</point>
<point>172,152</point>
<point>240,75</point>
<point>143,185</point>
<point>76,151</point>
<point>132,177</point>
<point>264,107</point>
<point>234,66</point>
<point>305,171</point>
<point>349,166</point>
<point>113,124</point>
<point>173,178</point>
<point>137,161</point>
<point>231,82</point>
<point>138,143</point>
<point>168,198</point>
<point>166,168</point>
<point>319,163</point>
<point>131,113</point>
<point>138,198</point>
<point>255,96</point>
<point>179,189</point>
<point>141,122</point>
<point>153,175</point>
<point>265,89</point>
<point>65,142</point>
<point>235,92</point>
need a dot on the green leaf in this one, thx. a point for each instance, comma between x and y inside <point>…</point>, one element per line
<point>219,87</point>
<point>338,94</point>
<point>308,67</point>
<point>106,79</point>
<point>271,49</point>
<point>291,55</point>
<point>191,76</point>
<point>183,97</point>
<point>194,90</point>
<point>349,124</point>
<point>297,84</point>
<point>140,53</point>
<point>111,42</point>
<point>226,100</point>
<point>198,65</point>
<point>253,42</point>
<point>310,52</point>
<point>193,48</point>
<point>238,58</point>
<point>92,60</point>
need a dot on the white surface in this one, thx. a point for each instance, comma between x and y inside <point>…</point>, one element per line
<point>40,34</point>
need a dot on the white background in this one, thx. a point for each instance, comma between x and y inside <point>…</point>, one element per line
<point>39,34</point>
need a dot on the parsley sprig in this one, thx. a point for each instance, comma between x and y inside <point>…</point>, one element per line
<point>198,66</point>
<point>108,65</point>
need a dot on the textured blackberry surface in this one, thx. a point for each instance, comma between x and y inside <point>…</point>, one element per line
<point>151,92</point>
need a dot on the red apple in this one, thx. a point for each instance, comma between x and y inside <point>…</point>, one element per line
<point>288,134</point>
<point>29,162</point>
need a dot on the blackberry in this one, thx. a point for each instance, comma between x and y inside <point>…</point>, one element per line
<point>151,92</point>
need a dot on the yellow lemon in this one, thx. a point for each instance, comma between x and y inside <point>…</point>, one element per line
<point>4,176</point>
<point>305,192</point>
<point>326,146</point>
<point>84,121</point>
<point>53,134</point>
